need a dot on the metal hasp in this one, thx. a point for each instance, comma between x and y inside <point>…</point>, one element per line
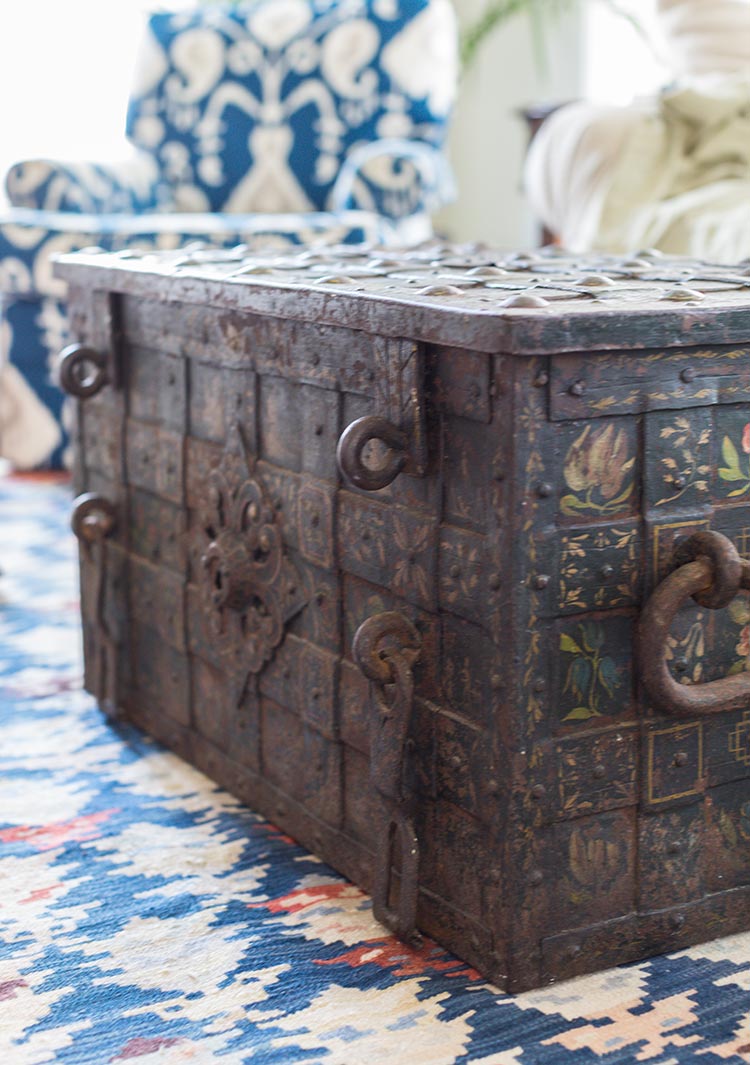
<point>385,648</point>
<point>83,371</point>
<point>710,571</point>
<point>93,521</point>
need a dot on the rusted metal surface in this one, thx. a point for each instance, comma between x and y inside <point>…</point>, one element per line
<point>421,657</point>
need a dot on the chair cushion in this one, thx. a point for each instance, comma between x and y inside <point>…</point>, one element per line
<point>254,106</point>
<point>32,414</point>
<point>29,239</point>
<point>131,185</point>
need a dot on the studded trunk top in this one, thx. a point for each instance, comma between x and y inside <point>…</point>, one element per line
<point>494,300</point>
<point>467,277</point>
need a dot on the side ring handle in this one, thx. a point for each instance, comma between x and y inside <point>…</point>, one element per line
<point>93,519</point>
<point>83,371</point>
<point>353,441</point>
<point>712,573</point>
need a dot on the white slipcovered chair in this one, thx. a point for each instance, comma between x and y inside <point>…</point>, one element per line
<point>670,172</point>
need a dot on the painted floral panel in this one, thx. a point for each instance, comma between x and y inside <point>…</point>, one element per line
<point>593,662</point>
<point>729,836</point>
<point>599,470</point>
<point>592,862</point>
<point>678,459</point>
<point>598,568</point>
<point>733,460</point>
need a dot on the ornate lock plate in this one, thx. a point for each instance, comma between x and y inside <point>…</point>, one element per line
<point>250,587</point>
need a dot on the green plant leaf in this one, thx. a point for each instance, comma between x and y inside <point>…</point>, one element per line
<point>567,643</point>
<point>739,491</point>
<point>543,15</point>
<point>729,453</point>
<point>493,16</point>
<point>581,713</point>
<point>738,667</point>
<point>622,12</point>
<point>731,473</point>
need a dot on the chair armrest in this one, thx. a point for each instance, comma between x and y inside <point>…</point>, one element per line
<point>131,185</point>
<point>394,177</point>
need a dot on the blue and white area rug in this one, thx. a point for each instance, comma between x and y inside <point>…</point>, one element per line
<point>145,916</point>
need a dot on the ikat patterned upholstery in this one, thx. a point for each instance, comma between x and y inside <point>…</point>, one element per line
<point>284,120</point>
<point>257,108</point>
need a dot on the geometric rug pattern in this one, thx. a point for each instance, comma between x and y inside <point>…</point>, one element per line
<point>147,917</point>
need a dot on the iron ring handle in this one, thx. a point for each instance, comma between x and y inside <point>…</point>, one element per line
<point>726,566</point>
<point>75,376</point>
<point>352,443</point>
<point>93,518</point>
<point>704,581</point>
<point>380,637</point>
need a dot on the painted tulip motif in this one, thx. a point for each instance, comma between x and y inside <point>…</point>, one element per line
<point>736,469</point>
<point>598,471</point>
<point>595,860</point>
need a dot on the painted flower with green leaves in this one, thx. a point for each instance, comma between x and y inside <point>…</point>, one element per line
<point>736,469</point>
<point>592,676</point>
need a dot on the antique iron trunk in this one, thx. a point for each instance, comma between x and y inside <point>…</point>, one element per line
<point>401,551</point>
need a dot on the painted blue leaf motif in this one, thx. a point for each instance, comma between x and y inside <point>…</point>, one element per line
<point>593,636</point>
<point>580,677</point>
<point>609,676</point>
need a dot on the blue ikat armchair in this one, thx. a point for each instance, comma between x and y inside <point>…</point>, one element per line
<point>292,121</point>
